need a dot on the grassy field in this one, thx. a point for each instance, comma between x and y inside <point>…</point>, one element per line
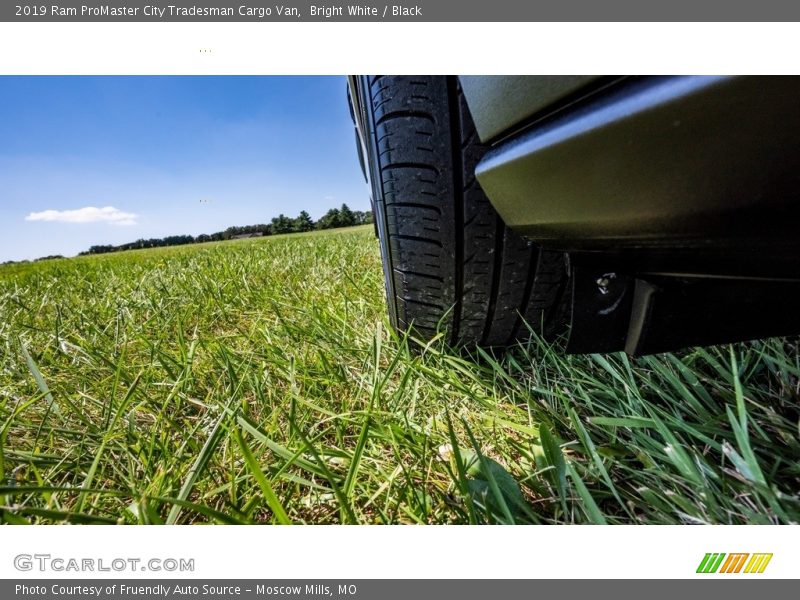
<point>257,381</point>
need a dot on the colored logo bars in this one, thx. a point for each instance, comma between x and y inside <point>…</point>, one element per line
<point>717,562</point>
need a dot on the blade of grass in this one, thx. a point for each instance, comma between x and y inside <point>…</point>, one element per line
<point>266,489</point>
<point>52,405</point>
<point>194,472</point>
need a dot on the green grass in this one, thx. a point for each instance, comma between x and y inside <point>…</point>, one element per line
<point>258,381</point>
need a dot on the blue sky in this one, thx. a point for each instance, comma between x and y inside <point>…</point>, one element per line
<point>108,160</point>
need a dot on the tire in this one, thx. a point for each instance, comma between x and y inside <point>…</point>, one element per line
<point>450,263</point>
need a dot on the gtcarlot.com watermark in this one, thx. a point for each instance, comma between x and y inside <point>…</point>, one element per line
<point>44,563</point>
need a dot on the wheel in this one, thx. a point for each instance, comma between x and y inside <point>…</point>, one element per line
<point>450,263</point>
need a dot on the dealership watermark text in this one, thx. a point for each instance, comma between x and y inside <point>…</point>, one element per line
<point>44,563</point>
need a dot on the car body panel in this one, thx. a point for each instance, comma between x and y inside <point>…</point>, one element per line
<point>499,103</point>
<point>678,161</point>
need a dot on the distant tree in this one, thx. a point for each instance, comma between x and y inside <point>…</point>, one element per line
<point>303,222</point>
<point>49,257</point>
<point>282,224</point>
<point>101,249</point>
<point>177,240</point>
<point>346,216</point>
<point>331,219</point>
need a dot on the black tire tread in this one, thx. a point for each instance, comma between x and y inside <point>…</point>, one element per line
<point>454,264</point>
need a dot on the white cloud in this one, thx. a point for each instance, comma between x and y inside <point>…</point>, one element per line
<point>87,214</point>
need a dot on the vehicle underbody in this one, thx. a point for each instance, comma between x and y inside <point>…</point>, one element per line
<point>673,199</point>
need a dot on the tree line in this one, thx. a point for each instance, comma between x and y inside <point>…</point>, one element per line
<point>334,218</point>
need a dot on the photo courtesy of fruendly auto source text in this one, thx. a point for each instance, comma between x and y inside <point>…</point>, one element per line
<point>521,312</point>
